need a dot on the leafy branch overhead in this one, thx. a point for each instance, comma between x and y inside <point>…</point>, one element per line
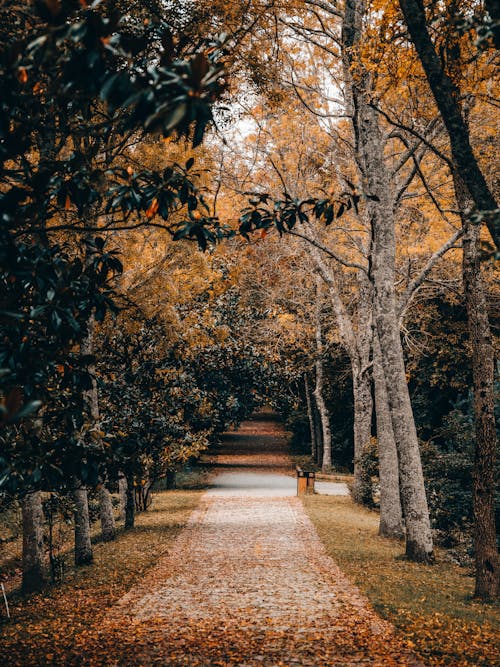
<point>285,214</point>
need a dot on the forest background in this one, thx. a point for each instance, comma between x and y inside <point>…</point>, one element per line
<point>205,210</point>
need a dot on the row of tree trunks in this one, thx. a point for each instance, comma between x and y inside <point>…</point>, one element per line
<point>33,553</point>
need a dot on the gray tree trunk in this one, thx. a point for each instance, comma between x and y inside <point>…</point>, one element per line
<point>122,492</point>
<point>106,514</point>
<point>326,462</point>
<point>376,185</point>
<point>363,408</point>
<point>83,545</point>
<point>33,570</point>
<point>391,518</point>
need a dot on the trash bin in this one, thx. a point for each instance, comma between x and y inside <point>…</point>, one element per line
<point>305,481</point>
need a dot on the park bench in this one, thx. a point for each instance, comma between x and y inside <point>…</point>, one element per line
<point>305,481</point>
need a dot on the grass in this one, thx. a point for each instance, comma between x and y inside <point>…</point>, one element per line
<point>45,628</point>
<point>430,605</point>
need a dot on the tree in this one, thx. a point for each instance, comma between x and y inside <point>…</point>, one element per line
<point>473,196</point>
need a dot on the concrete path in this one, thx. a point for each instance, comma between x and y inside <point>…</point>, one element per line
<point>248,582</point>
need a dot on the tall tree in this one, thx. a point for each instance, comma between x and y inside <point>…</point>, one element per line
<point>376,187</point>
<point>445,72</point>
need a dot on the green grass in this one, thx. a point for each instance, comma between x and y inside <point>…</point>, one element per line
<point>431,605</point>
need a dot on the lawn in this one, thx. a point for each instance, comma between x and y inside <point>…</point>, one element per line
<point>430,605</point>
<point>50,628</point>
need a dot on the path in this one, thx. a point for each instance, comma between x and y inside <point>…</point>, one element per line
<point>248,582</point>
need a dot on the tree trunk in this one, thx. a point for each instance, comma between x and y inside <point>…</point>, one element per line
<point>310,416</point>
<point>363,408</point>
<point>413,498</point>
<point>83,545</point>
<point>91,404</point>
<point>122,492</point>
<point>376,184</point>
<point>483,371</point>
<point>33,571</point>
<point>106,514</point>
<point>319,432</point>
<point>447,101</point>
<point>130,503</point>
<point>326,462</point>
<point>391,519</point>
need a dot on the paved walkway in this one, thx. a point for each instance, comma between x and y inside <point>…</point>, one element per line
<point>249,583</point>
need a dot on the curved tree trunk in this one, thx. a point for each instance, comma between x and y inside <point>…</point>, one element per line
<point>33,570</point>
<point>83,545</point>
<point>448,102</point>
<point>391,519</point>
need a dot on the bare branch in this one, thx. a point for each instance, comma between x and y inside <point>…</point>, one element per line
<point>410,291</point>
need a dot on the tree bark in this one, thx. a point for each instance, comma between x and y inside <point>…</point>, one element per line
<point>33,570</point>
<point>391,518</point>
<point>363,408</point>
<point>106,514</point>
<point>376,186</point>
<point>483,371</point>
<point>326,462</point>
<point>122,492</point>
<point>446,97</point>
<point>91,406</point>
<point>83,545</point>
<point>319,432</point>
<point>310,416</point>
<point>130,503</point>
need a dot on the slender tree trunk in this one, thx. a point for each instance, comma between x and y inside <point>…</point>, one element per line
<point>91,405</point>
<point>122,492</point>
<point>376,184</point>
<point>326,462</point>
<point>310,416</point>
<point>483,371</point>
<point>83,545</point>
<point>413,498</point>
<point>363,408</point>
<point>391,519</point>
<point>318,431</point>
<point>33,570</point>
<point>106,514</point>
<point>130,503</point>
